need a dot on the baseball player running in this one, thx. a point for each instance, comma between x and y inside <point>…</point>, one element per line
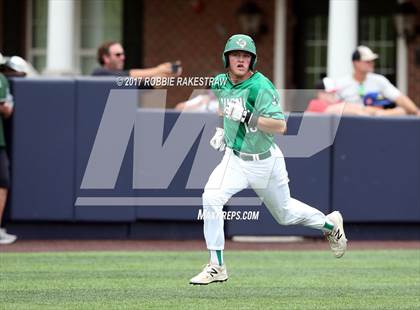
<point>251,116</point>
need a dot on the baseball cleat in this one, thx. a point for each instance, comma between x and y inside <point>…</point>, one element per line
<point>210,274</point>
<point>6,238</point>
<point>337,238</point>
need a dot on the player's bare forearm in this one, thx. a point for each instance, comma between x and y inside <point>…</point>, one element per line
<point>406,103</point>
<point>271,125</point>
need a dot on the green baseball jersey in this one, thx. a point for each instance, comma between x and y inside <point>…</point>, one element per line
<point>258,95</point>
<point>4,91</point>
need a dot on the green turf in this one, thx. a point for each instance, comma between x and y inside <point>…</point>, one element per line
<point>258,280</point>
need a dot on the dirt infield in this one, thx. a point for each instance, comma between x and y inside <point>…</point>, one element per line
<point>165,245</point>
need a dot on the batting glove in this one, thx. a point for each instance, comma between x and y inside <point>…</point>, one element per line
<point>218,140</point>
<point>238,113</point>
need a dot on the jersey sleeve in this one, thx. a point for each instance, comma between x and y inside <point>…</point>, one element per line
<point>389,91</point>
<point>268,105</point>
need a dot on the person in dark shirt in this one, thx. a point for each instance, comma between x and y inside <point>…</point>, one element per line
<point>111,58</point>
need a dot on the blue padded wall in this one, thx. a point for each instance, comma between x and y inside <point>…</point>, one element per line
<point>43,149</point>
<point>377,169</point>
<point>92,95</point>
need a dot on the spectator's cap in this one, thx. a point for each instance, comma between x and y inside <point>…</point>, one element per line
<point>17,64</point>
<point>326,84</point>
<point>2,59</point>
<point>364,53</point>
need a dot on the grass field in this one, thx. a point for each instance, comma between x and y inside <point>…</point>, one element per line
<point>258,280</point>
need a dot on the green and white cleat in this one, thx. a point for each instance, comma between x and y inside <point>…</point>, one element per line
<point>337,238</point>
<point>210,274</point>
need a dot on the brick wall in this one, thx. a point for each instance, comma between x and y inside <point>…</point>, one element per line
<point>175,30</point>
<point>413,68</point>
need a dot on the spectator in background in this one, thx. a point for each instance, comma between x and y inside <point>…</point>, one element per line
<point>373,90</point>
<point>326,96</point>
<point>16,66</point>
<point>111,57</point>
<point>205,102</point>
<point>6,109</point>
<point>327,101</point>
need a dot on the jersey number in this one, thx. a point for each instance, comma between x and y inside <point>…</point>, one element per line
<point>250,129</point>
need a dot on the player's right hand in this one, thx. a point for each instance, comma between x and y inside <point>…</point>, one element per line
<point>218,140</point>
<point>234,111</point>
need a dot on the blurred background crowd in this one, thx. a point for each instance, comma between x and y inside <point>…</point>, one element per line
<point>299,42</point>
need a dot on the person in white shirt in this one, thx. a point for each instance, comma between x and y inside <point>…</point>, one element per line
<point>371,89</point>
<point>205,102</point>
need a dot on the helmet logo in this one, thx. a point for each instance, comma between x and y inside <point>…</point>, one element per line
<point>241,43</point>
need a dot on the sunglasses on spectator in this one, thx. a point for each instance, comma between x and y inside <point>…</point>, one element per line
<point>119,54</point>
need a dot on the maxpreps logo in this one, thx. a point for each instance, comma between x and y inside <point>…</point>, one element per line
<point>137,157</point>
<point>148,157</point>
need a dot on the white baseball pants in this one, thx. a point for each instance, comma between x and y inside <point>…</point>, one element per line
<point>269,180</point>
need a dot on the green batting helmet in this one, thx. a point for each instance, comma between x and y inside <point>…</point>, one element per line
<point>240,42</point>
